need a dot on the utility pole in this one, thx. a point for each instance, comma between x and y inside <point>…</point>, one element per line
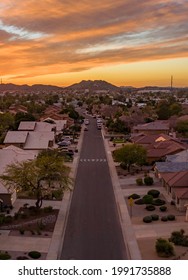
<point>171,83</point>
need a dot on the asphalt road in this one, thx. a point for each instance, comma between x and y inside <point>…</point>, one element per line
<point>93,229</point>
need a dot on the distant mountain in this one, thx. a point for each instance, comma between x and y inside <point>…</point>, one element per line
<point>96,85</point>
<point>36,87</point>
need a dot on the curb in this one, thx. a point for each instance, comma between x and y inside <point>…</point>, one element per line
<point>125,221</point>
<point>55,248</point>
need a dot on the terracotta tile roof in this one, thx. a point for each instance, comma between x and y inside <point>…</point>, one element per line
<point>176,179</point>
<point>162,149</point>
<point>181,192</point>
<point>156,125</point>
<point>150,139</point>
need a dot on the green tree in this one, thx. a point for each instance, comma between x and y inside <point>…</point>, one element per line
<point>163,110</point>
<point>164,248</point>
<point>20,116</point>
<point>37,175</point>
<point>118,126</point>
<point>130,154</point>
<point>175,109</point>
<point>6,123</point>
<point>182,127</point>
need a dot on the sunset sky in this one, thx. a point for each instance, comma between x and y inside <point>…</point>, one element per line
<point>125,42</point>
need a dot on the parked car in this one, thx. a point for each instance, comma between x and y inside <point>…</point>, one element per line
<point>99,126</point>
<point>67,138</point>
<point>64,143</point>
<point>85,128</point>
<point>86,121</point>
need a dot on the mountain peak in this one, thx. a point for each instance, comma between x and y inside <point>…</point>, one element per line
<point>93,85</point>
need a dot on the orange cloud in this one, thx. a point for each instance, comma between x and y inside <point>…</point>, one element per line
<point>54,36</point>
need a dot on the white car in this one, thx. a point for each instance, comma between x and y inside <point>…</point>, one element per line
<point>86,121</point>
<point>64,143</point>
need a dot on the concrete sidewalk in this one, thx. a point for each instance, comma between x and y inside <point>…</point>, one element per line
<point>49,245</point>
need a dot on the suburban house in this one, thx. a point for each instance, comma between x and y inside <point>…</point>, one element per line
<point>176,185</point>
<point>156,127</point>
<point>32,136</point>
<point>9,155</point>
<point>14,109</point>
<point>160,150</point>
<point>147,140</point>
<point>59,125</point>
<point>158,146</point>
<point>174,176</point>
<point>35,126</point>
<point>167,167</point>
<point>178,157</point>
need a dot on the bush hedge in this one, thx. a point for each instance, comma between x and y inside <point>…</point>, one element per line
<point>134,196</point>
<point>148,199</point>
<point>150,207</point>
<point>171,217</point>
<point>4,256</point>
<point>148,181</point>
<point>164,219</point>
<point>155,217</point>
<point>139,181</point>
<point>158,202</point>
<point>34,254</point>
<point>22,258</point>
<point>179,238</point>
<point>147,219</point>
<point>163,208</point>
<point>154,193</point>
<point>164,248</point>
<point>139,201</point>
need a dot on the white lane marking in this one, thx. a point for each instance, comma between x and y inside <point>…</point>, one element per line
<point>93,160</point>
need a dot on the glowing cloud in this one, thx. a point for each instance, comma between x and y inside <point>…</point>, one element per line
<point>60,37</point>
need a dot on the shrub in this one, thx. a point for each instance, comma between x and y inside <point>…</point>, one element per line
<point>16,215</point>
<point>32,231</point>
<point>155,217</point>
<point>48,209</point>
<point>148,199</point>
<point>163,208</point>
<point>139,201</point>
<point>164,219</point>
<point>2,219</point>
<point>24,216</point>
<point>147,219</point>
<point>4,256</point>
<point>154,193</point>
<point>139,181</point>
<point>148,181</point>
<point>34,210</point>
<point>8,219</point>
<point>22,230</point>
<point>123,166</point>
<point>40,225</point>
<point>171,217</point>
<point>22,258</point>
<point>34,254</point>
<point>57,194</point>
<point>134,196</point>
<point>158,202</point>
<point>164,248</point>
<point>179,238</point>
<point>150,207</point>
